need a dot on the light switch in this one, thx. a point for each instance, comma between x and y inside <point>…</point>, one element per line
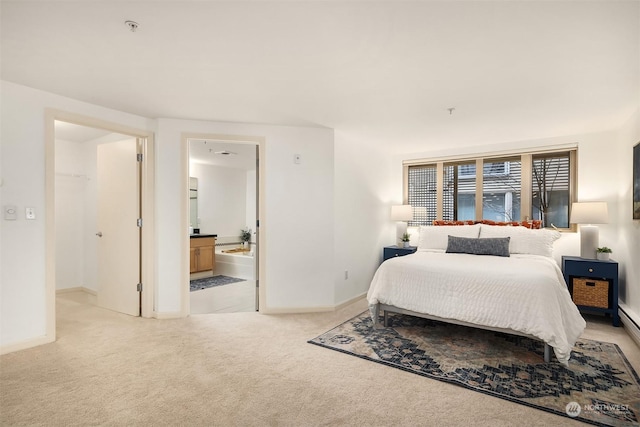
<point>30,213</point>
<point>10,212</point>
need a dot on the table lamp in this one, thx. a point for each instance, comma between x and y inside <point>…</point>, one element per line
<point>586,214</point>
<point>401,214</point>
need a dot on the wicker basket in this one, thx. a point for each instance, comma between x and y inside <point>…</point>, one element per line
<point>591,292</point>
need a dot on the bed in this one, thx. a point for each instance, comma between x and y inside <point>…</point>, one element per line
<point>520,291</point>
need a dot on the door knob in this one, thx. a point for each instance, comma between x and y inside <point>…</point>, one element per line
<point>99,234</point>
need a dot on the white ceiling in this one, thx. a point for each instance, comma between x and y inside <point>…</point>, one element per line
<point>382,72</point>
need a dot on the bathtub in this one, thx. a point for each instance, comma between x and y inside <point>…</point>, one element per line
<point>240,264</point>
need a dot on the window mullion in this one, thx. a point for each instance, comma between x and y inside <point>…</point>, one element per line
<point>527,185</point>
<point>479,187</point>
<point>440,190</point>
<point>405,184</point>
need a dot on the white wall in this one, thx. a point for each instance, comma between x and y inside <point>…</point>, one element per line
<point>23,309</point>
<point>222,199</point>
<point>71,187</point>
<point>298,222</point>
<point>363,196</point>
<point>627,250</point>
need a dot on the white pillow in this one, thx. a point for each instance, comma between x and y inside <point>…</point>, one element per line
<point>523,240</point>
<point>437,237</point>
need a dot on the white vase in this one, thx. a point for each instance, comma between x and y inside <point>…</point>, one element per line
<point>602,256</point>
<point>405,244</point>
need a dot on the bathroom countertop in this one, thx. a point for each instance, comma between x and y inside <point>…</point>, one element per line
<point>198,236</point>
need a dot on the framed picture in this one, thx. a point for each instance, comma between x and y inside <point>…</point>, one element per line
<point>636,181</point>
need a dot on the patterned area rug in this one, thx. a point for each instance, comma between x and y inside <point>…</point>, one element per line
<point>210,282</point>
<point>599,387</point>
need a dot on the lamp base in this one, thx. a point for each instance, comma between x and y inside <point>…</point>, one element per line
<point>401,228</point>
<point>588,241</point>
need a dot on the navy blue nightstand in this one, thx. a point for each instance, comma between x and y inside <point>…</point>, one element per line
<point>593,276</point>
<point>394,251</point>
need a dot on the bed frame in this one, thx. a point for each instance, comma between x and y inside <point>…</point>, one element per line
<point>389,308</point>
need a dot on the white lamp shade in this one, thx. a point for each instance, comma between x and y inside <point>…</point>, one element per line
<point>401,213</point>
<point>589,213</point>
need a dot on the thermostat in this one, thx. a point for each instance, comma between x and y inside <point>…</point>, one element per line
<point>10,212</point>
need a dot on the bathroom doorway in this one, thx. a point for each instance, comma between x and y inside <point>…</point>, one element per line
<point>223,226</point>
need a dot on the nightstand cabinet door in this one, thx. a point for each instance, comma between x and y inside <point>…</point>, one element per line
<point>593,280</point>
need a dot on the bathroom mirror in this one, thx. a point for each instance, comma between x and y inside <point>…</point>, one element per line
<point>193,202</point>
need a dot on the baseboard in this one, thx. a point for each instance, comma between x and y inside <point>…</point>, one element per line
<point>631,322</point>
<point>351,301</point>
<point>76,289</point>
<point>165,315</point>
<point>320,309</point>
<point>23,345</point>
<point>296,310</point>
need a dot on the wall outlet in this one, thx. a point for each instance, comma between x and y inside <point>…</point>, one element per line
<point>30,213</point>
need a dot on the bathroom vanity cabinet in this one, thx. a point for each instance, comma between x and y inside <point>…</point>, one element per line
<point>202,252</point>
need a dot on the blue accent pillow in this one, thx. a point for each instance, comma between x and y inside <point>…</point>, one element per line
<point>498,246</point>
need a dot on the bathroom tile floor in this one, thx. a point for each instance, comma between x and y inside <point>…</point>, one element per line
<point>233,298</point>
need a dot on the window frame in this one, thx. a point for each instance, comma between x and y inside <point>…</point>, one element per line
<point>526,164</point>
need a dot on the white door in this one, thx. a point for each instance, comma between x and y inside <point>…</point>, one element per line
<point>118,233</point>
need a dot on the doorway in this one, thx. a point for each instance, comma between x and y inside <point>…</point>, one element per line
<point>76,262</point>
<point>223,212</point>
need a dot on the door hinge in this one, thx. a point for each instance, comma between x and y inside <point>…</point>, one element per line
<point>139,287</point>
<point>139,222</point>
<point>139,157</point>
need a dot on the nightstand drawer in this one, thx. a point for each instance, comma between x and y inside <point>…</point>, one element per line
<point>395,251</point>
<point>594,269</point>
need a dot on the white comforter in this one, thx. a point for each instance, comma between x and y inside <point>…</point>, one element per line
<point>524,293</point>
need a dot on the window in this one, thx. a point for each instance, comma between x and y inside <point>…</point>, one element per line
<point>491,169</point>
<point>551,189</point>
<point>501,189</point>
<point>459,191</point>
<point>511,188</point>
<point>422,194</point>
<point>467,171</point>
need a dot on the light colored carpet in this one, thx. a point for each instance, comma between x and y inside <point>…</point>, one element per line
<point>239,369</point>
